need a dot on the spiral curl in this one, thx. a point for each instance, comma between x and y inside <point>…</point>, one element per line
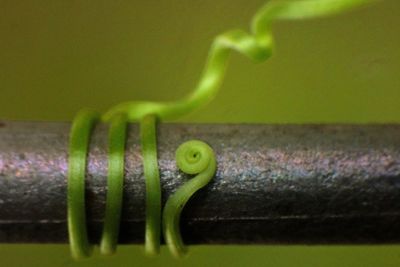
<point>258,46</point>
<point>192,157</point>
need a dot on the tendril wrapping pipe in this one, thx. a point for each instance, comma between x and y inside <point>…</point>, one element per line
<point>256,46</point>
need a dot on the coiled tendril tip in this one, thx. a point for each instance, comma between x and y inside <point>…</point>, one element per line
<point>192,157</point>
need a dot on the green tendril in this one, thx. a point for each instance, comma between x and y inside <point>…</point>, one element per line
<point>258,46</point>
<point>153,189</point>
<point>115,181</point>
<point>192,157</point>
<point>78,148</point>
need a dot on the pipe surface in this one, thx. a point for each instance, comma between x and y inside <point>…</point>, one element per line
<point>286,184</point>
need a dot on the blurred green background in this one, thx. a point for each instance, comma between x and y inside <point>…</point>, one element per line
<point>59,56</point>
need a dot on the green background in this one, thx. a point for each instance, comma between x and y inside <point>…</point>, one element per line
<point>59,56</point>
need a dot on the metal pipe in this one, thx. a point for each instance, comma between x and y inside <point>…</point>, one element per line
<point>289,184</point>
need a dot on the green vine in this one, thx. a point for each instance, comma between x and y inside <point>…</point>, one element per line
<point>258,46</point>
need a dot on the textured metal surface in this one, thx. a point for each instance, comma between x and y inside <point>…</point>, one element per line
<point>274,184</point>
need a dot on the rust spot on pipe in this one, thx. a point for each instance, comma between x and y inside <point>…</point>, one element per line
<point>2,124</point>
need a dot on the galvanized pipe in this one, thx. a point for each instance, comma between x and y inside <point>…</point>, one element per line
<point>289,184</point>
